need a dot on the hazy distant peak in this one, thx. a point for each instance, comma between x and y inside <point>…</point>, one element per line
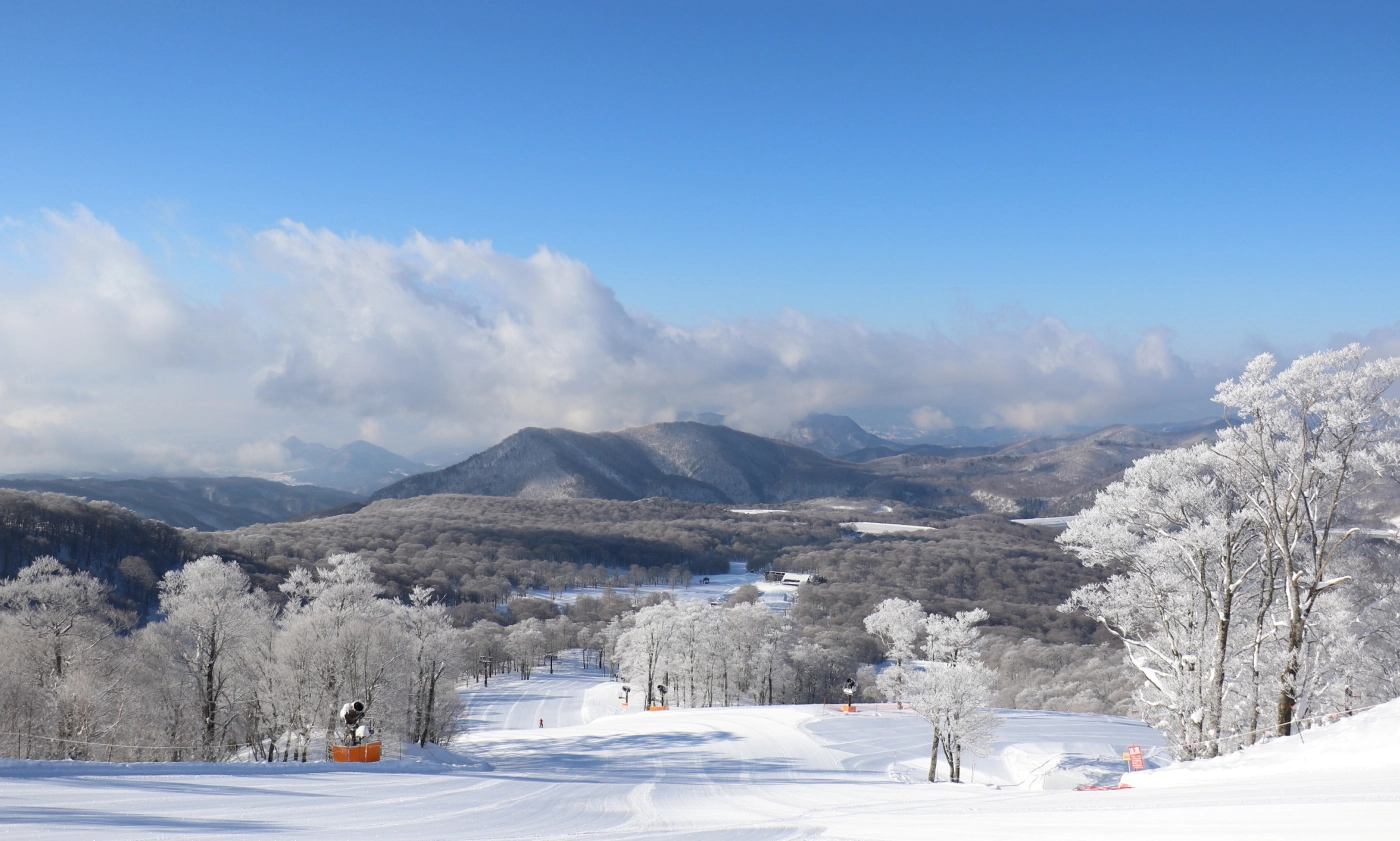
<point>711,418</point>
<point>833,435</point>
<point>358,467</point>
<point>685,460</point>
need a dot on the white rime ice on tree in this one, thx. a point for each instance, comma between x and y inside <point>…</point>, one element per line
<point>438,651</point>
<point>1187,556</point>
<point>527,642</point>
<point>897,623</point>
<point>1314,438</point>
<point>215,619</point>
<point>707,655</point>
<point>59,672</point>
<point>221,671</point>
<point>950,689</point>
<point>1235,588</point>
<point>55,606</point>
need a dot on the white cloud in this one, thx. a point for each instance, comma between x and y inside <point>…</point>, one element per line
<point>929,419</point>
<point>429,342</point>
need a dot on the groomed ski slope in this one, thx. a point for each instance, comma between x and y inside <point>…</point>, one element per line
<point>751,774</point>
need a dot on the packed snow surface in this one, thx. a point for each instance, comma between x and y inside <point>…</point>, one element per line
<point>597,771</point>
<point>883,528</point>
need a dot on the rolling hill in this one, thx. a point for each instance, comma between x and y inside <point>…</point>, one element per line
<point>685,460</point>
<point>705,463</point>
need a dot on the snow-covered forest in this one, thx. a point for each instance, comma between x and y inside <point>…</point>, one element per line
<point>222,672</point>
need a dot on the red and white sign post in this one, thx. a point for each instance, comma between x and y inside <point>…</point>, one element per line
<point>1135,758</point>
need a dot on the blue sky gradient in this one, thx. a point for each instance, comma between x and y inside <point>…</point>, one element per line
<point>1223,172</point>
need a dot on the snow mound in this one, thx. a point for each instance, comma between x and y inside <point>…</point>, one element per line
<point>1034,749</point>
<point>1368,741</point>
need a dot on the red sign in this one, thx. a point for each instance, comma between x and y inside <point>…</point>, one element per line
<point>1135,758</point>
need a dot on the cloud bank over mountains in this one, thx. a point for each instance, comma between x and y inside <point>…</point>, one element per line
<point>106,365</point>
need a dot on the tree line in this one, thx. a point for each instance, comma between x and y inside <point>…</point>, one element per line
<point>224,671</point>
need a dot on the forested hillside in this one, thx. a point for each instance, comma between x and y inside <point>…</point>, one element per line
<point>482,550</point>
<point>1018,574</point>
<point>116,546</point>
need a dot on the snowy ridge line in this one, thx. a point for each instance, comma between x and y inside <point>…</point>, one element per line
<point>1332,716</point>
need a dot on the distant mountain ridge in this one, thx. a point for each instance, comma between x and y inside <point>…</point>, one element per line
<point>833,435</point>
<point>703,463</point>
<point>684,460</point>
<point>358,467</point>
<point>207,504</point>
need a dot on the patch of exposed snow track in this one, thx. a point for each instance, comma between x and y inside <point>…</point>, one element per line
<point>883,528</point>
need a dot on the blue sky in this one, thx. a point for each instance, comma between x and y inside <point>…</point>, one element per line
<point>1221,173</point>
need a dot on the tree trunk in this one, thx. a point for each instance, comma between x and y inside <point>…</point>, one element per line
<point>428,713</point>
<point>953,751</point>
<point>1216,701</point>
<point>1288,692</point>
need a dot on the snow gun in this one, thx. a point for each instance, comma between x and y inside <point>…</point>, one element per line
<point>357,730</point>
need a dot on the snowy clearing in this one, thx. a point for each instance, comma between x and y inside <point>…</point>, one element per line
<point>758,511</point>
<point>883,528</point>
<point>756,773</point>
<point>1049,522</point>
<point>709,588</point>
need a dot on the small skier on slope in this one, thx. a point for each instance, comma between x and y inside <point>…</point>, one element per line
<point>541,724</point>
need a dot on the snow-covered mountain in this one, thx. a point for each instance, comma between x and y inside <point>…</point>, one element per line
<point>833,435</point>
<point>690,461</point>
<point>358,467</point>
<point>706,463</point>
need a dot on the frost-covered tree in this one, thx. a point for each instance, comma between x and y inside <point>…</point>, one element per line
<point>954,639</point>
<point>341,635</point>
<point>708,655</point>
<point>58,610</point>
<point>951,689</point>
<point>643,649</point>
<point>1236,564</point>
<point>216,620</point>
<point>527,643</point>
<point>60,666</point>
<point>1311,440</point>
<point>1185,551</point>
<point>437,654</point>
<point>896,623</point>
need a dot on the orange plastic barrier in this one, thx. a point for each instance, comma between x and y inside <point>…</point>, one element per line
<point>358,753</point>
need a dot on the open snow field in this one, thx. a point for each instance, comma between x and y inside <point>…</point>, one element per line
<point>716,589</point>
<point>596,771</point>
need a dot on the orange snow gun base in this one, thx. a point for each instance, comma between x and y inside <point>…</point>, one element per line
<point>356,753</point>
